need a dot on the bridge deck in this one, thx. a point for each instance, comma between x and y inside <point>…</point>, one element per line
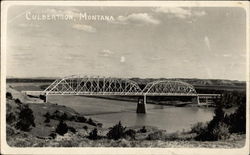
<point>119,94</point>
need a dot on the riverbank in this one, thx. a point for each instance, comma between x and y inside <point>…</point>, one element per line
<point>79,139</point>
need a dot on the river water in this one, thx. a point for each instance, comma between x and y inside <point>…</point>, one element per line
<point>110,112</point>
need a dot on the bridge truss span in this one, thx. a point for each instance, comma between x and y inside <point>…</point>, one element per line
<point>169,88</point>
<point>94,85</point>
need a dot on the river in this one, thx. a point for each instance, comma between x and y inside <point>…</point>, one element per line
<point>110,112</point>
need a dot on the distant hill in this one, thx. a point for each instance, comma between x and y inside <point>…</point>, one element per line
<point>194,82</point>
<point>197,82</point>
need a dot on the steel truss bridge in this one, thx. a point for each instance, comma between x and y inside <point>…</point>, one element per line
<point>101,86</point>
<point>77,85</point>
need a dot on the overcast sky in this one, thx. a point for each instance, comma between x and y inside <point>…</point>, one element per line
<point>140,42</point>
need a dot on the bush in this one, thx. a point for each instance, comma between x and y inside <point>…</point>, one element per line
<point>47,120</point>
<point>10,118</point>
<point>81,119</point>
<point>85,127</point>
<point>221,132</point>
<point>9,95</point>
<point>237,120</point>
<point>18,101</point>
<point>143,129</point>
<point>47,116</point>
<point>130,133</point>
<point>198,127</point>
<point>155,136</point>
<point>71,129</point>
<point>91,122</point>
<point>64,116</point>
<point>116,132</point>
<point>26,119</point>
<point>62,128</point>
<point>53,135</point>
<point>93,134</point>
<point>99,125</point>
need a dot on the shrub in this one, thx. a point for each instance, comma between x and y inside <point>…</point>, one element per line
<point>64,116</point>
<point>26,119</point>
<point>155,136</point>
<point>130,133</point>
<point>18,101</point>
<point>116,132</point>
<point>9,131</point>
<point>53,135</point>
<point>93,134</point>
<point>99,125</point>
<point>143,129</point>
<point>198,127</point>
<point>62,128</point>
<point>220,132</point>
<point>237,120</point>
<point>91,122</point>
<point>10,118</point>
<point>47,116</point>
<point>47,120</point>
<point>9,95</point>
<point>73,130</point>
<point>85,127</point>
<point>81,119</point>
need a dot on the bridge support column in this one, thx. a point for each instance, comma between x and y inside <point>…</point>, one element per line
<point>196,100</point>
<point>141,105</point>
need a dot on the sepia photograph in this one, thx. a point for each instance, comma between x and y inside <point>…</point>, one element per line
<point>89,75</point>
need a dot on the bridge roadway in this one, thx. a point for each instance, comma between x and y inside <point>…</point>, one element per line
<point>119,94</point>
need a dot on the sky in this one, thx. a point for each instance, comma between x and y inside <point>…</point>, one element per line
<point>145,42</point>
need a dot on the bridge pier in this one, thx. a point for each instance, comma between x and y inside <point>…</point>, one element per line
<point>196,100</point>
<point>141,105</point>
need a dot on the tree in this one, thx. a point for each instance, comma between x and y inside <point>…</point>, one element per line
<point>62,128</point>
<point>93,134</point>
<point>116,132</point>
<point>26,119</point>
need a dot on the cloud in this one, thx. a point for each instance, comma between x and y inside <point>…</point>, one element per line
<point>207,42</point>
<point>180,12</point>
<point>227,55</point>
<point>106,53</point>
<point>123,59</point>
<point>23,56</point>
<point>156,58</point>
<point>137,18</point>
<point>74,56</point>
<point>86,28</point>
